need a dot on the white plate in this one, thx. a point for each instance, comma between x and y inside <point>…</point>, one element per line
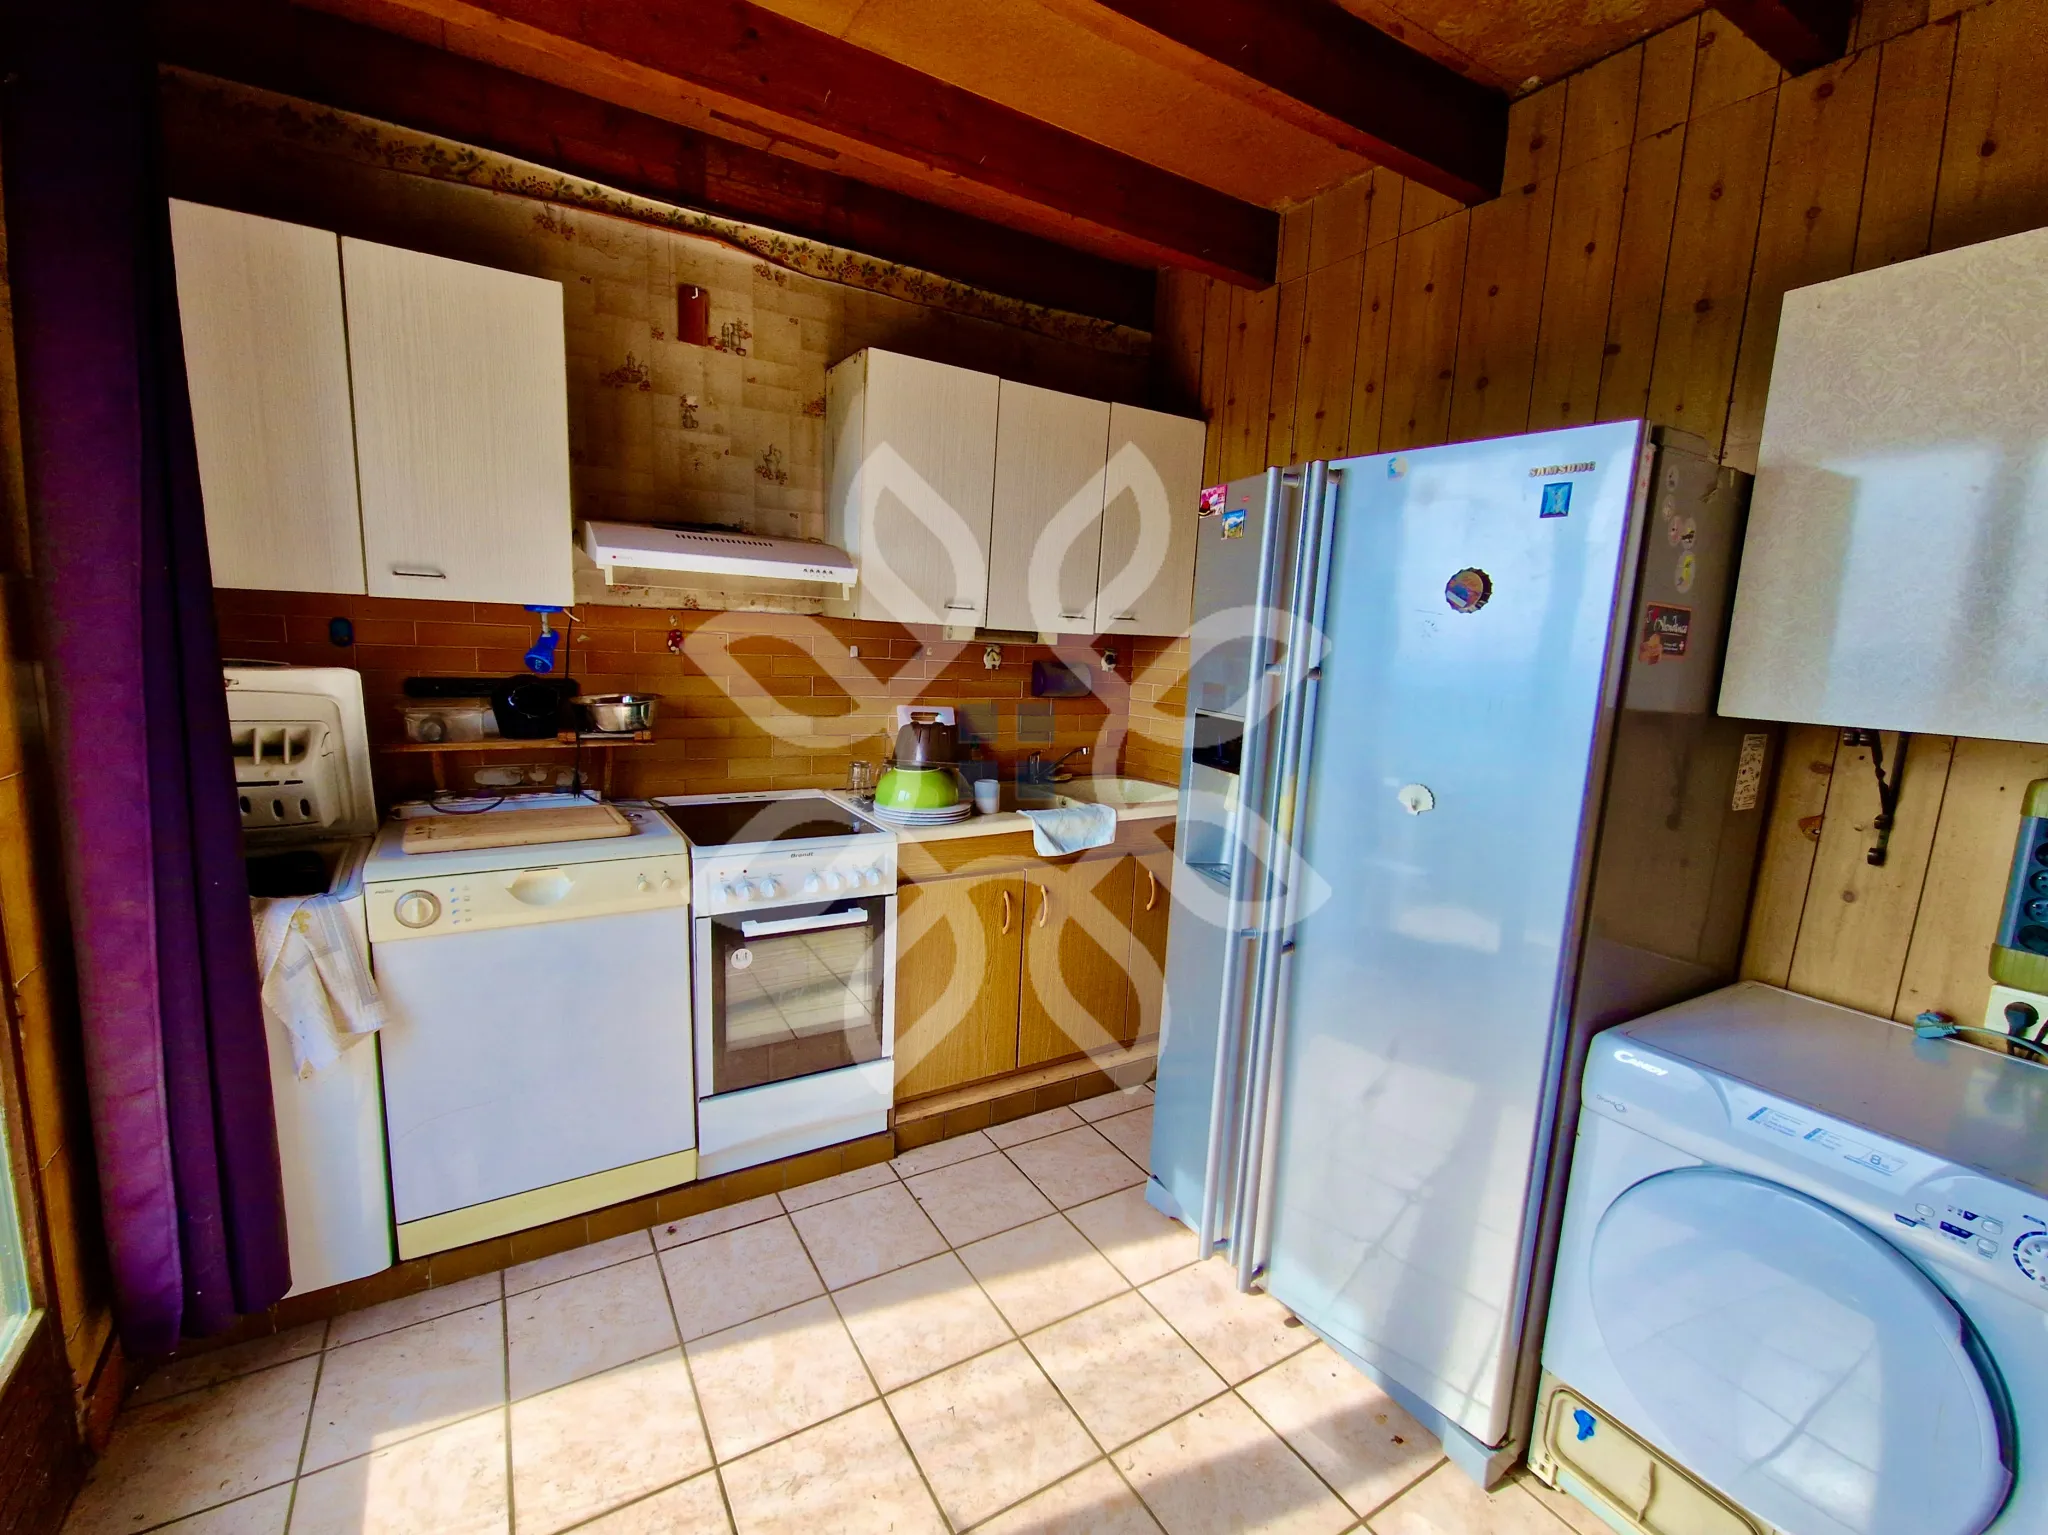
<point>924,817</point>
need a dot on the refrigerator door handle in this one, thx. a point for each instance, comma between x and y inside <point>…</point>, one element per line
<point>1300,695</point>
<point>1220,1159</point>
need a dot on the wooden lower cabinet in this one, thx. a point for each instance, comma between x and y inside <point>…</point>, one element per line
<point>1076,944</point>
<point>959,964</point>
<point>1151,908</point>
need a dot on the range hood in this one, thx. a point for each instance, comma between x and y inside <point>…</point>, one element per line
<point>714,551</point>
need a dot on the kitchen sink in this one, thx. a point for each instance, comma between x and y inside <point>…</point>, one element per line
<point>1120,792</point>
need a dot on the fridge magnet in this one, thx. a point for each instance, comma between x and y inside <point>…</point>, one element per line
<point>1468,590</point>
<point>1233,522</point>
<point>1397,468</point>
<point>1557,499</point>
<point>1212,499</point>
<point>1666,633</point>
<point>1749,773</point>
<point>1683,579</point>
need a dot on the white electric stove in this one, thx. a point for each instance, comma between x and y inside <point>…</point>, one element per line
<point>794,950</point>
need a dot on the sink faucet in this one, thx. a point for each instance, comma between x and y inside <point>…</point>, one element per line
<point>1036,770</point>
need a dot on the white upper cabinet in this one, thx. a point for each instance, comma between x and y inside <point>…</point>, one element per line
<point>1151,491</point>
<point>1050,449</point>
<point>462,428</point>
<point>266,363</point>
<point>975,502</point>
<point>913,483</point>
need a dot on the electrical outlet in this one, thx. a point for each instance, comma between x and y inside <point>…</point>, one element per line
<point>2003,997</point>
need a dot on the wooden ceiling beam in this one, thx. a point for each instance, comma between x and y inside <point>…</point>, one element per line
<point>1800,34</point>
<point>339,63</point>
<point>731,67</point>
<point>1319,66</point>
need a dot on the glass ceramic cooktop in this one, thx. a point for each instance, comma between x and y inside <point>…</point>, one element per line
<point>744,822</point>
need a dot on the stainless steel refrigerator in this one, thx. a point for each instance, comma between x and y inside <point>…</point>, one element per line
<point>1455,797</point>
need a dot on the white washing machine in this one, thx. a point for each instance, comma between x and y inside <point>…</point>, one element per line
<point>1802,1283</point>
<point>302,771</point>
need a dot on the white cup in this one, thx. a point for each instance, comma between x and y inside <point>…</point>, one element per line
<point>988,795</point>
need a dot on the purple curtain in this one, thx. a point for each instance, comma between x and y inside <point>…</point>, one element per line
<point>176,1058</point>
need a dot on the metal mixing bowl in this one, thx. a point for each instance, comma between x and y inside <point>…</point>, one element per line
<point>618,713</point>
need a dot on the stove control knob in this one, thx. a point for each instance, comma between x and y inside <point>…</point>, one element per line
<point>871,876</point>
<point>642,884</point>
<point>834,880</point>
<point>668,882</point>
<point>769,889</point>
<point>812,884</point>
<point>728,892</point>
<point>418,908</point>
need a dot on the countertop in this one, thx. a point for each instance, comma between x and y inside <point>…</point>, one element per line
<point>1010,821</point>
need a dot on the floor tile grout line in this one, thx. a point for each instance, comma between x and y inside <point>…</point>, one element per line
<point>549,1284</point>
<point>291,1501</point>
<point>505,1405</point>
<point>902,1439</point>
<point>290,1479</point>
<point>696,1396</point>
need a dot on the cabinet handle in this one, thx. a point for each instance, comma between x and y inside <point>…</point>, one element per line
<point>420,572</point>
<point>1151,889</point>
<point>1044,903</point>
<point>1081,617</point>
<point>1006,911</point>
<point>962,607</point>
<point>1125,618</point>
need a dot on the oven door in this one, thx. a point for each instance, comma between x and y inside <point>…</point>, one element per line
<point>791,991</point>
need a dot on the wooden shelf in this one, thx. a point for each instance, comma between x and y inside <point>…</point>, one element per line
<point>537,743</point>
<point>566,741</point>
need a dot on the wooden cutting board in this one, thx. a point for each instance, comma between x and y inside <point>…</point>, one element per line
<point>514,828</point>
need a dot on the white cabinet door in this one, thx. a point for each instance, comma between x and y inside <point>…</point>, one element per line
<point>462,427</point>
<point>266,362</point>
<point>1151,500</point>
<point>1050,449</point>
<point>913,479</point>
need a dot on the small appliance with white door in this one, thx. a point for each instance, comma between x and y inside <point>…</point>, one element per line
<point>795,952</point>
<point>1802,1283</point>
<point>302,773</point>
<point>537,1060</point>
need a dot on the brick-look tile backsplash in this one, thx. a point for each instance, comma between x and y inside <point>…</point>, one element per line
<point>753,701</point>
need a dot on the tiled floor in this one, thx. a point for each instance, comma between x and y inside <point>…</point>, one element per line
<point>991,1333</point>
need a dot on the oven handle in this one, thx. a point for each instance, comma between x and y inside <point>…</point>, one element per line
<point>752,929</point>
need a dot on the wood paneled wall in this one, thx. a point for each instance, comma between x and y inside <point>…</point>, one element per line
<point>1659,205</point>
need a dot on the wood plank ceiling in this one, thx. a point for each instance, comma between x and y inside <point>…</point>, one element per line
<point>1142,132</point>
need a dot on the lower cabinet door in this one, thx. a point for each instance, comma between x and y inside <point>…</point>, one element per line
<point>1076,946</point>
<point>959,956</point>
<point>1151,907</point>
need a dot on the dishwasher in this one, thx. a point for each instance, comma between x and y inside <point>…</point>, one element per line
<point>538,1062</point>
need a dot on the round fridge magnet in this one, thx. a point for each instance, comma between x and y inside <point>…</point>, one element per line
<point>1468,590</point>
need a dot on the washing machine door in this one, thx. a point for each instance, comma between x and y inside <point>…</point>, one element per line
<point>1799,1363</point>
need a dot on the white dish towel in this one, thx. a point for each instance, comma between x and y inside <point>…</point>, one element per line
<point>317,985</point>
<point>1071,829</point>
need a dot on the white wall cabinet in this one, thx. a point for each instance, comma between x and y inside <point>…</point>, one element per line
<point>266,364</point>
<point>371,419</point>
<point>462,428</point>
<point>1152,485</point>
<point>970,501</point>
<point>1047,540</point>
<point>913,485</point>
